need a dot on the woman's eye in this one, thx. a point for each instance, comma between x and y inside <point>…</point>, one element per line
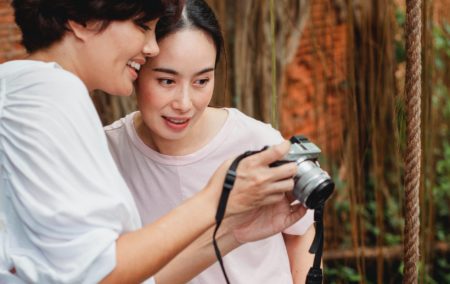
<point>166,82</point>
<point>202,82</point>
<point>143,26</point>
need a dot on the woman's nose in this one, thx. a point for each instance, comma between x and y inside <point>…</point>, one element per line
<point>151,47</point>
<point>183,101</point>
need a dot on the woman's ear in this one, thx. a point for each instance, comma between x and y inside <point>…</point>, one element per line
<point>84,31</point>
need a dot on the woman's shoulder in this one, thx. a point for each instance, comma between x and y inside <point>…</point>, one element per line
<point>43,94</point>
<point>120,125</point>
<point>31,74</point>
<point>254,129</point>
<point>249,122</point>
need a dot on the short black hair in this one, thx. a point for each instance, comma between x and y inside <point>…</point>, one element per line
<point>44,22</point>
<point>194,14</point>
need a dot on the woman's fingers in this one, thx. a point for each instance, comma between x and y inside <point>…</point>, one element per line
<point>290,197</point>
<point>286,171</point>
<point>297,212</point>
<point>279,187</point>
<point>272,199</point>
<point>262,160</point>
<point>257,184</point>
<point>271,154</point>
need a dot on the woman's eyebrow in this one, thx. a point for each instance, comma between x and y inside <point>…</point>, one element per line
<point>206,70</point>
<point>165,70</point>
<point>173,72</point>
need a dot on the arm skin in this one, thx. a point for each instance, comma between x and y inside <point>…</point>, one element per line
<point>298,251</point>
<point>196,258</point>
<point>142,253</point>
<point>235,231</point>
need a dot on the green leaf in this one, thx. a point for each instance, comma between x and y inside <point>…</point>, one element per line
<point>439,63</point>
<point>447,28</point>
<point>439,42</point>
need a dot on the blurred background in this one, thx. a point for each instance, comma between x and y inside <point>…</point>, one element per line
<point>338,77</point>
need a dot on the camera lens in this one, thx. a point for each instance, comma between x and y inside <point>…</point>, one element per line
<point>320,194</point>
<point>313,186</point>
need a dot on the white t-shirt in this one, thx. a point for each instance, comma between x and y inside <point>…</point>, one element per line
<point>160,182</point>
<point>63,203</point>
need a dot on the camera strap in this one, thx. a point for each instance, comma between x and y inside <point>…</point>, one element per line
<point>227,187</point>
<point>315,275</point>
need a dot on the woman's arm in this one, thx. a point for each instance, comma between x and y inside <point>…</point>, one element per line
<point>143,253</point>
<point>235,231</point>
<point>196,257</point>
<point>298,251</point>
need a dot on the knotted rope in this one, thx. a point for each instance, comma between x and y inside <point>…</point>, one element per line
<point>413,148</point>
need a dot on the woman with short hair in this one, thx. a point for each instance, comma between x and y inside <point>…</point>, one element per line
<point>66,213</point>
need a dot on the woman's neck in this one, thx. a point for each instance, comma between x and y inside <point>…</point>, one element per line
<point>61,53</point>
<point>201,134</point>
<point>54,53</point>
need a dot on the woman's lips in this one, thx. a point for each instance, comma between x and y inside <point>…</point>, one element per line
<point>176,124</point>
<point>134,68</point>
<point>133,72</point>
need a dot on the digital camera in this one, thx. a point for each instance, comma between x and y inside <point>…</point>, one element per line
<point>313,186</point>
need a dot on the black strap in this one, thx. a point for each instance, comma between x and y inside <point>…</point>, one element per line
<point>315,275</point>
<point>227,187</point>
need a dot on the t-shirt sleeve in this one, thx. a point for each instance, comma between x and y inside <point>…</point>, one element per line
<point>65,189</point>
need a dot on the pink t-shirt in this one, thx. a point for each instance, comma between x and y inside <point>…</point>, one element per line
<point>161,182</point>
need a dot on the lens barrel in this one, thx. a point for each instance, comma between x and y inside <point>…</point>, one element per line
<point>320,194</point>
<point>313,185</point>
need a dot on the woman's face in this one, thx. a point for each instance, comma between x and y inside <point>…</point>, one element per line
<point>113,56</point>
<point>175,87</point>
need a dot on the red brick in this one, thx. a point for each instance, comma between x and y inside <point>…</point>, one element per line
<point>10,47</point>
<point>312,79</point>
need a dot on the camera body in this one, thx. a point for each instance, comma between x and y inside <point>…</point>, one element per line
<point>313,186</point>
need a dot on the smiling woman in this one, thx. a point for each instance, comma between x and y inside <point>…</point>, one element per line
<point>177,141</point>
<point>116,51</point>
<point>174,92</point>
<point>68,214</point>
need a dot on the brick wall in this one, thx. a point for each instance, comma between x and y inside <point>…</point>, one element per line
<point>442,11</point>
<point>315,78</point>
<point>10,47</point>
<point>312,78</point>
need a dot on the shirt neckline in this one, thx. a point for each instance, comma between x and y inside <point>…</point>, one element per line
<point>193,157</point>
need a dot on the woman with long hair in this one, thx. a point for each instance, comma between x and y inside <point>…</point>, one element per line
<point>176,140</point>
<point>66,214</point>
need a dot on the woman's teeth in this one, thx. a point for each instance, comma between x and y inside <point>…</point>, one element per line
<point>177,121</point>
<point>134,65</point>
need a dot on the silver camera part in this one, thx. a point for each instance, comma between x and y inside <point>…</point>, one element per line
<point>309,176</point>
<point>303,150</point>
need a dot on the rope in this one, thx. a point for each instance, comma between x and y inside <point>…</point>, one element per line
<point>413,148</point>
<point>274,96</point>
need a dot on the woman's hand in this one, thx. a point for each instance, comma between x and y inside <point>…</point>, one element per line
<point>265,221</point>
<point>256,183</point>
